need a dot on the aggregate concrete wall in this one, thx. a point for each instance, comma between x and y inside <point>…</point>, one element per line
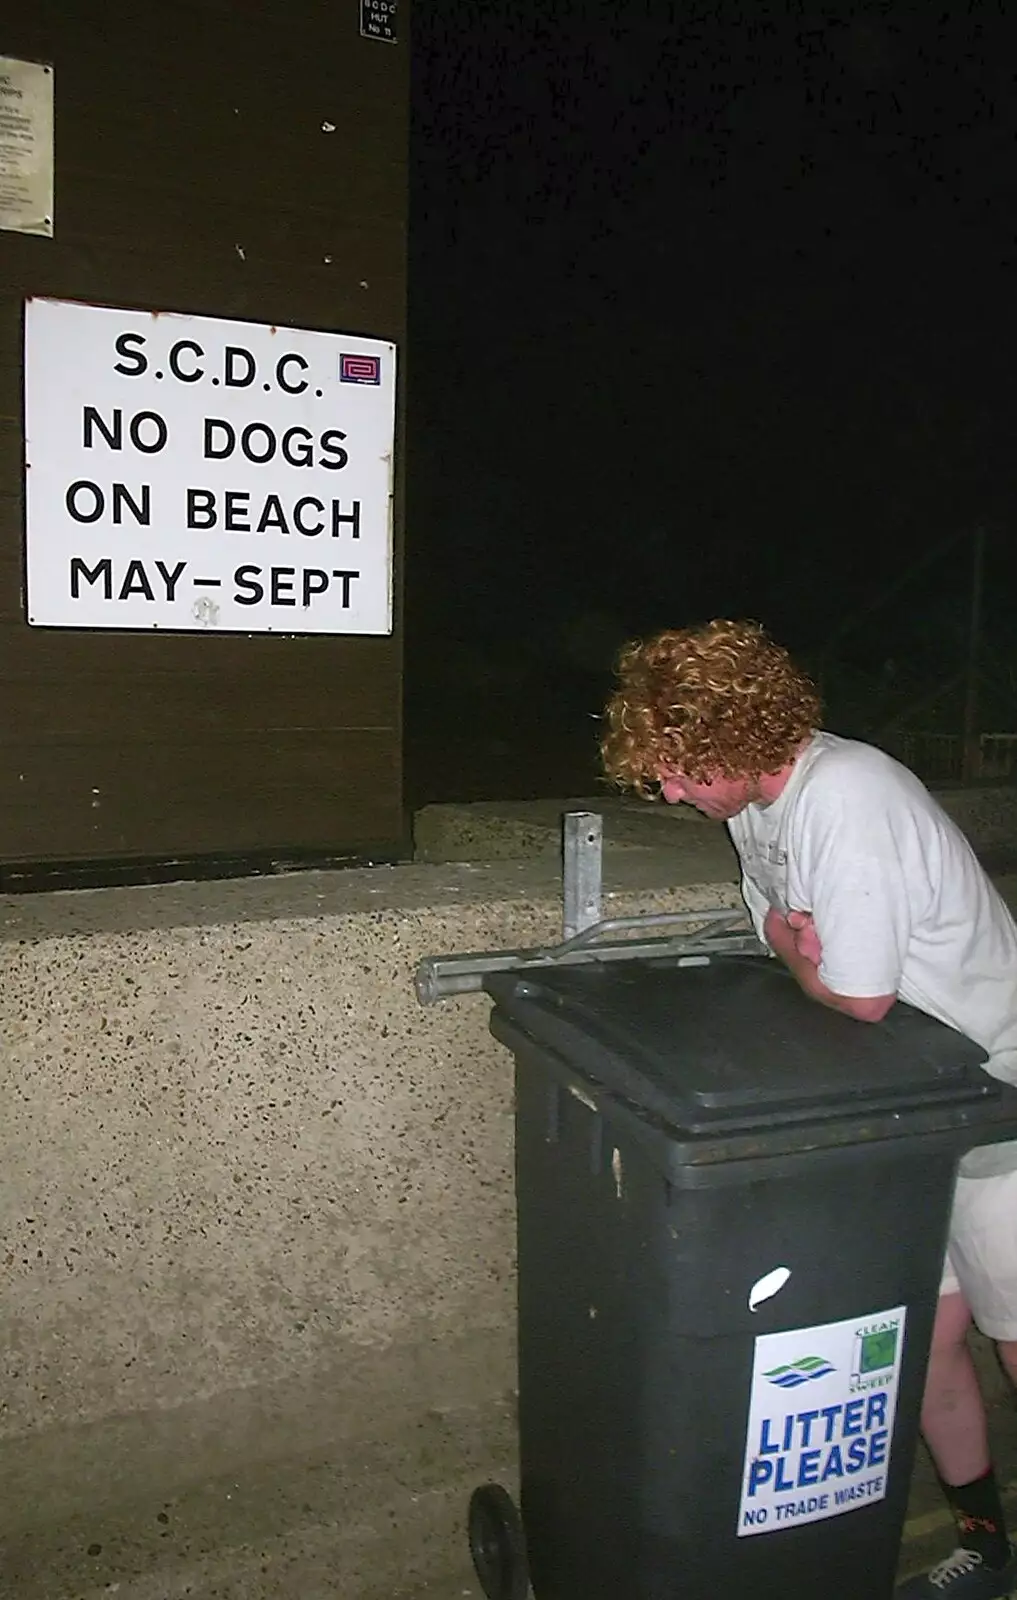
<point>254,1192</point>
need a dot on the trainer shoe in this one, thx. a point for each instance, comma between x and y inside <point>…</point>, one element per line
<point>963,1576</point>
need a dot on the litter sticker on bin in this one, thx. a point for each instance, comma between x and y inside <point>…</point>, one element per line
<point>820,1428</point>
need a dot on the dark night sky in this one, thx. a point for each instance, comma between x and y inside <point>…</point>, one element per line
<point>712,311</point>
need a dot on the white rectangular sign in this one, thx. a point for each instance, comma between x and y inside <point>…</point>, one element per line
<point>192,473</point>
<point>26,146</point>
<point>820,1428</point>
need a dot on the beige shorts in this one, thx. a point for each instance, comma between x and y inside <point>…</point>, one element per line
<point>981,1257</point>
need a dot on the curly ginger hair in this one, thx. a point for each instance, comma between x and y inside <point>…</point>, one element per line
<point>722,699</point>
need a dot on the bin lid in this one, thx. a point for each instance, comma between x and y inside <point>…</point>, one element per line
<point>732,1042</point>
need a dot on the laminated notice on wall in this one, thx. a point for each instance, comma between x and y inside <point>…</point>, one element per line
<point>26,147</point>
<point>820,1429</point>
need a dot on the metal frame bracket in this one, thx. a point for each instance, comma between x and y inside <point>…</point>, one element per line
<point>587,937</point>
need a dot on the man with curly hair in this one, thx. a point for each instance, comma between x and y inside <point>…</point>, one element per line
<point>862,885</point>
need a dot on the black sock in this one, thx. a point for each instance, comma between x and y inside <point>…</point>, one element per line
<point>978,1512</point>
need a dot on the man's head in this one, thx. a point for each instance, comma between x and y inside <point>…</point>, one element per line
<point>706,715</point>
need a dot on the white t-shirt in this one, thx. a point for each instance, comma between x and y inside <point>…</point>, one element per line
<point>899,900</point>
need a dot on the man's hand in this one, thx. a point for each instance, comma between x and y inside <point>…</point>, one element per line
<point>806,938</point>
<point>793,937</point>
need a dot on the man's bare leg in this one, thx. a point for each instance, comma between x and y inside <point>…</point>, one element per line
<point>953,1413</point>
<point>955,1428</point>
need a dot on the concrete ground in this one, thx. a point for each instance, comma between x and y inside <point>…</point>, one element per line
<point>379,1518</point>
<point>337,1497</point>
<point>929,1530</point>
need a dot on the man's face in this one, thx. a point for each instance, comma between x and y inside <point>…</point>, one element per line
<point>720,798</point>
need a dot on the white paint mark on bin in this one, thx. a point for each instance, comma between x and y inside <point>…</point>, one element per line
<point>582,1097</point>
<point>616,1170</point>
<point>767,1286</point>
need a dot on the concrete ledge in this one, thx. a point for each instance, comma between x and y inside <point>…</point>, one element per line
<point>498,830</point>
<point>229,1147</point>
<point>234,1137</point>
<point>531,829</point>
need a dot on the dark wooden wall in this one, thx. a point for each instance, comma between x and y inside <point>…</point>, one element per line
<point>184,129</point>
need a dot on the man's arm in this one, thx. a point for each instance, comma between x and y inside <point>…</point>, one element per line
<point>790,938</point>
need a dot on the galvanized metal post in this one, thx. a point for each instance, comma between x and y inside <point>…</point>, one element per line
<point>582,853</point>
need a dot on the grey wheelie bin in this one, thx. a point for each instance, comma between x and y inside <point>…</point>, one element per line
<point>733,1205</point>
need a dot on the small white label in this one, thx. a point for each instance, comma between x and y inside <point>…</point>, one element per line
<point>821,1414</point>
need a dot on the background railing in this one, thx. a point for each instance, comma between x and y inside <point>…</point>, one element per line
<point>930,661</point>
<point>939,757</point>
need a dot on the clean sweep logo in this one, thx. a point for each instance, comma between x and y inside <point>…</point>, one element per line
<point>874,1356</point>
<point>794,1373</point>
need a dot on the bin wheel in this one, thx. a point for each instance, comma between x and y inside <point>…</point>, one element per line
<point>498,1544</point>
